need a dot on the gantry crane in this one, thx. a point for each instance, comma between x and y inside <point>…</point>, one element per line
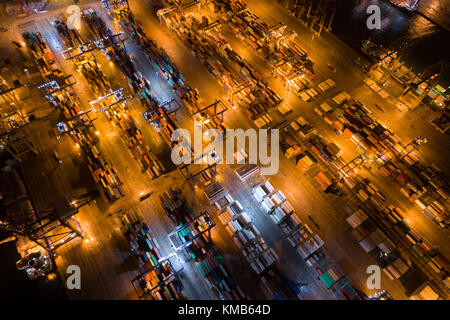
<point>394,52</point>
<point>14,130</point>
<point>430,76</point>
<point>49,228</point>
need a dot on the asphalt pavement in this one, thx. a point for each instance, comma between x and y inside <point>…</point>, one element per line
<point>100,222</point>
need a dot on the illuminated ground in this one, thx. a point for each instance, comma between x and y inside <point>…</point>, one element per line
<point>104,259</point>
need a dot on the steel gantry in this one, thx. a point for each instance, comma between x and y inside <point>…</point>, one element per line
<point>392,58</point>
<point>101,44</point>
<point>109,100</point>
<point>430,77</point>
<point>210,112</point>
<point>178,239</point>
<point>54,86</point>
<point>208,172</point>
<point>165,263</point>
<point>177,7</point>
<point>52,227</point>
<point>163,110</point>
<point>350,166</point>
<point>240,87</point>
<point>77,121</point>
<point>412,146</point>
<point>111,5</point>
<point>14,135</point>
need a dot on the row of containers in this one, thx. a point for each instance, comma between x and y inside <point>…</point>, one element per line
<point>308,245</point>
<point>234,74</point>
<point>262,258</point>
<point>161,115</point>
<point>113,102</point>
<point>274,44</point>
<point>422,184</point>
<point>192,235</point>
<point>157,278</point>
<point>385,221</point>
<point>397,234</point>
<point>76,122</point>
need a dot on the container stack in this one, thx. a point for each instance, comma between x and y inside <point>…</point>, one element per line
<point>334,278</point>
<point>276,47</point>
<point>95,23</point>
<point>42,55</point>
<point>70,36</point>
<point>164,123</point>
<point>262,258</point>
<point>377,244</point>
<point>153,52</point>
<point>142,243</point>
<point>196,105</point>
<point>323,150</point>
<point>299,235</point>
<point>233,5</point>
<point>224,64</point>
<point>118,112</point>
<point>392,218</point>
<point>279,286</point>
<point>156,277</point>
<point>422,184</point>
<point>190,234</point>
<point>85,61</point>
<point>138,83</point>
<point>246,236</point>
<point>249,28</point>
<point>77,122</point>
<point>160,283</point>
<point>145,158</point>
<point>293,76</point>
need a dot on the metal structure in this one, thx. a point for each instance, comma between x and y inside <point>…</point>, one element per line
<point>111,5</point>
<point>55,86</point>
<point>52,227</point>
<point>135,282</point>
<point>212,111</point>
<point>89,46</point>
<point>413,145</point>
<point>164,110</point>
<point>213,24</point>
<point>14,135</point>
<point>351,165</point>
<point>64,129</point>
<point>430,76</point>
<point>239,88</point>
<point>179,243</point>
<point>316,15</point>
<point>117,96</point>
<point>395,51</point>
<point>190,175</point>
<point>178,7</point>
